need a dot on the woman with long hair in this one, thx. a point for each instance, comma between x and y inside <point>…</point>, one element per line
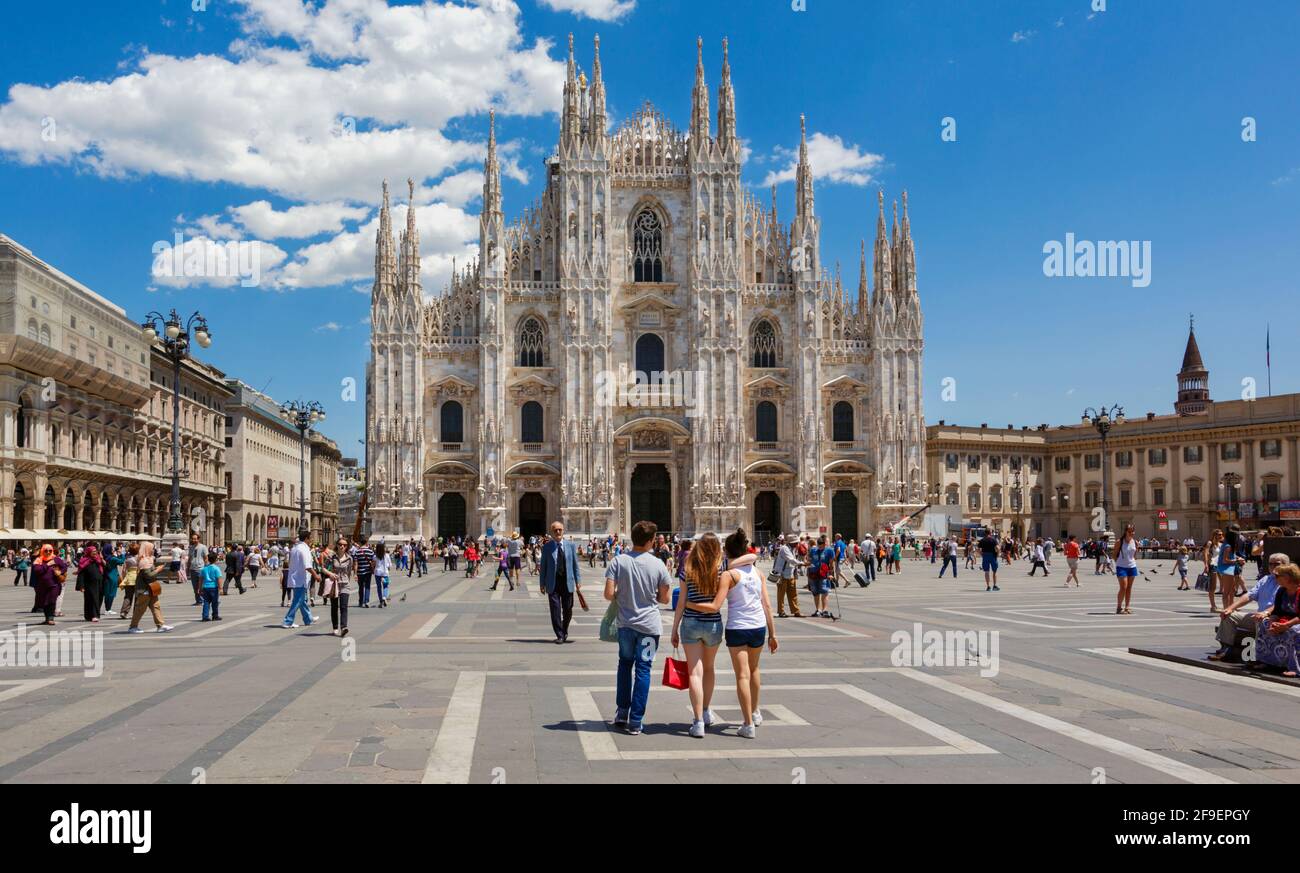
<point>1210,558</point>
<point>334,587</point>
<point>1126,570</point>
<point>1228,564</point>
<point>90,581</point>
<point>698,631</point>
<point>49,572</point>
<point>749,624</point>
<point>114,559</point>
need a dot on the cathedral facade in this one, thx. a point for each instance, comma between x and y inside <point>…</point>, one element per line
<point>646,342</point>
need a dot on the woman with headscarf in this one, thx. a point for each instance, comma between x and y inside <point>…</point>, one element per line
<point>49,572</point>
<point>114,558</point>
<point>147,592</point>
<point>90,580</point>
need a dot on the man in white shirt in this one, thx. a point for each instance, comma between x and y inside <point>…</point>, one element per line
<point>869,558</point>
<point>302,574</point>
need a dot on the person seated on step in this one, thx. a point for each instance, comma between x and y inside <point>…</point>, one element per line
<point>1278,641</point>
<point>1235,624</point>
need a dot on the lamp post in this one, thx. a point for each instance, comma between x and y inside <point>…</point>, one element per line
<point>302,415</point>
<point>176,337</point>
<point>1019,502</point>
<point>1102,422</point>
<point>1231,486</point>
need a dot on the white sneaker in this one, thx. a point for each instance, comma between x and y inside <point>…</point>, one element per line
<point>710,718</point>
<point>746,731</point>
<point>134,630</point>
<point>697,729</point>
<point>165,629</point>
<point>758,718</point>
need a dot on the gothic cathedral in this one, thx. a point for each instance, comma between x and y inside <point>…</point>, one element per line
<point>647,342</point>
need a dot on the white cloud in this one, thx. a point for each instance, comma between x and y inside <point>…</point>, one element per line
<point>1022,35</point>
<point>831,159</point>
<point>315,103</point>
<point>602,10</point>
<point>332,326</point>
<point>1287,177</point>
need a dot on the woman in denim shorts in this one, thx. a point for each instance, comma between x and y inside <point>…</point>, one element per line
<point>700,632</point>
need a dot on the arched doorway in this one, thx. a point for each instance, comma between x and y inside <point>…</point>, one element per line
<point>69,510</point>
<point>51,509</point>
<point>767,516</point>
<point>532,515</point>
<point>844,515</point>
<point>652,496</point>
<point>20,506</point>
<point>451,515</point>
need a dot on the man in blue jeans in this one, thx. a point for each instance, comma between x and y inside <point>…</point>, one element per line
<point>638,582</point>
<point>302,573</point>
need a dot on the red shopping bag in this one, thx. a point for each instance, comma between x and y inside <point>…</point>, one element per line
<point>675,673</point>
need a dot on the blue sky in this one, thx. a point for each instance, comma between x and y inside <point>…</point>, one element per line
<point>267,120</point>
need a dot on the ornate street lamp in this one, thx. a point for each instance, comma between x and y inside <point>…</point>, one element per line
<point>302,415</point>
<point>175,338</point>
<point>1102,422</point>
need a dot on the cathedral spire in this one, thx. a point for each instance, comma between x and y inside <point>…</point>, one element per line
<point>569,123</point>
<point>385,252</point>
<point>409,283</point>
<point>884,270</point>
<point>597,96</point>
<point>907,256</point>
<point>726,104</point>
<point>803,175</point>
<point>864,298</point>
<point>699,100</point>
<point>492,169</point>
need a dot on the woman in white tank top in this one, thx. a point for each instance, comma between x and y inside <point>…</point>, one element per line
<point>748,625</point>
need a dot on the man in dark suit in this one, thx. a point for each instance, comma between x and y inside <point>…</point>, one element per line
<point>560,580</point>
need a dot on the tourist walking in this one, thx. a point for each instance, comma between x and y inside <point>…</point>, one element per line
<point>560,580</point>
<point>364,566</point>
<point>988,545</point>
<point>786,567</point>
<point>949,549</point>
<point>90,581</point>
<point>210,586</point>
<point>821,570</point>
<point>1039,558</point>
<point>749,625</point>
<point>22,563</point>
<point>49,572</point>
<point>148,592</point>
<point>1071,549</point>
<point>700,633</point>
<point>335,587</point>
<point>637,581</point>
<point>1126,570</point>
<point>301,574</point>
<point>127,583</point>
<point>383,569</point>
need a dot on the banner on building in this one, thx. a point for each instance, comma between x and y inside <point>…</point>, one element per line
<point>273,527</point>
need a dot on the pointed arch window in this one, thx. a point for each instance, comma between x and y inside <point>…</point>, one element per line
<point>647,247</point>
<point>763,345</point>
<point>532,344</point>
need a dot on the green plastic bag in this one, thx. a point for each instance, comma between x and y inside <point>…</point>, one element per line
<point>609,624</point>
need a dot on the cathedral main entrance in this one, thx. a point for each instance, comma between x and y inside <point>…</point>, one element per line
<point>844,515</point>
<point>767,517</point>
<point>652,496</point>
<point>532,515</point>
<point>451,516</point>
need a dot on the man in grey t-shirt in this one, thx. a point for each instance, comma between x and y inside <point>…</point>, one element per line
<point>514,549</point>
<point>638,582</point>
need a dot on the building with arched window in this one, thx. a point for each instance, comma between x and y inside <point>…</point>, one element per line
<point>692,358</point>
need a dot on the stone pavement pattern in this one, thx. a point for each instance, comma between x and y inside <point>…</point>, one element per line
<point>456,684</point>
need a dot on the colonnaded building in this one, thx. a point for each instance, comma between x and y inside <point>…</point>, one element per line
<point>771,398</point>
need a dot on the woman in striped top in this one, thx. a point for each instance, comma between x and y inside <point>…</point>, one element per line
<point>700,632</point>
